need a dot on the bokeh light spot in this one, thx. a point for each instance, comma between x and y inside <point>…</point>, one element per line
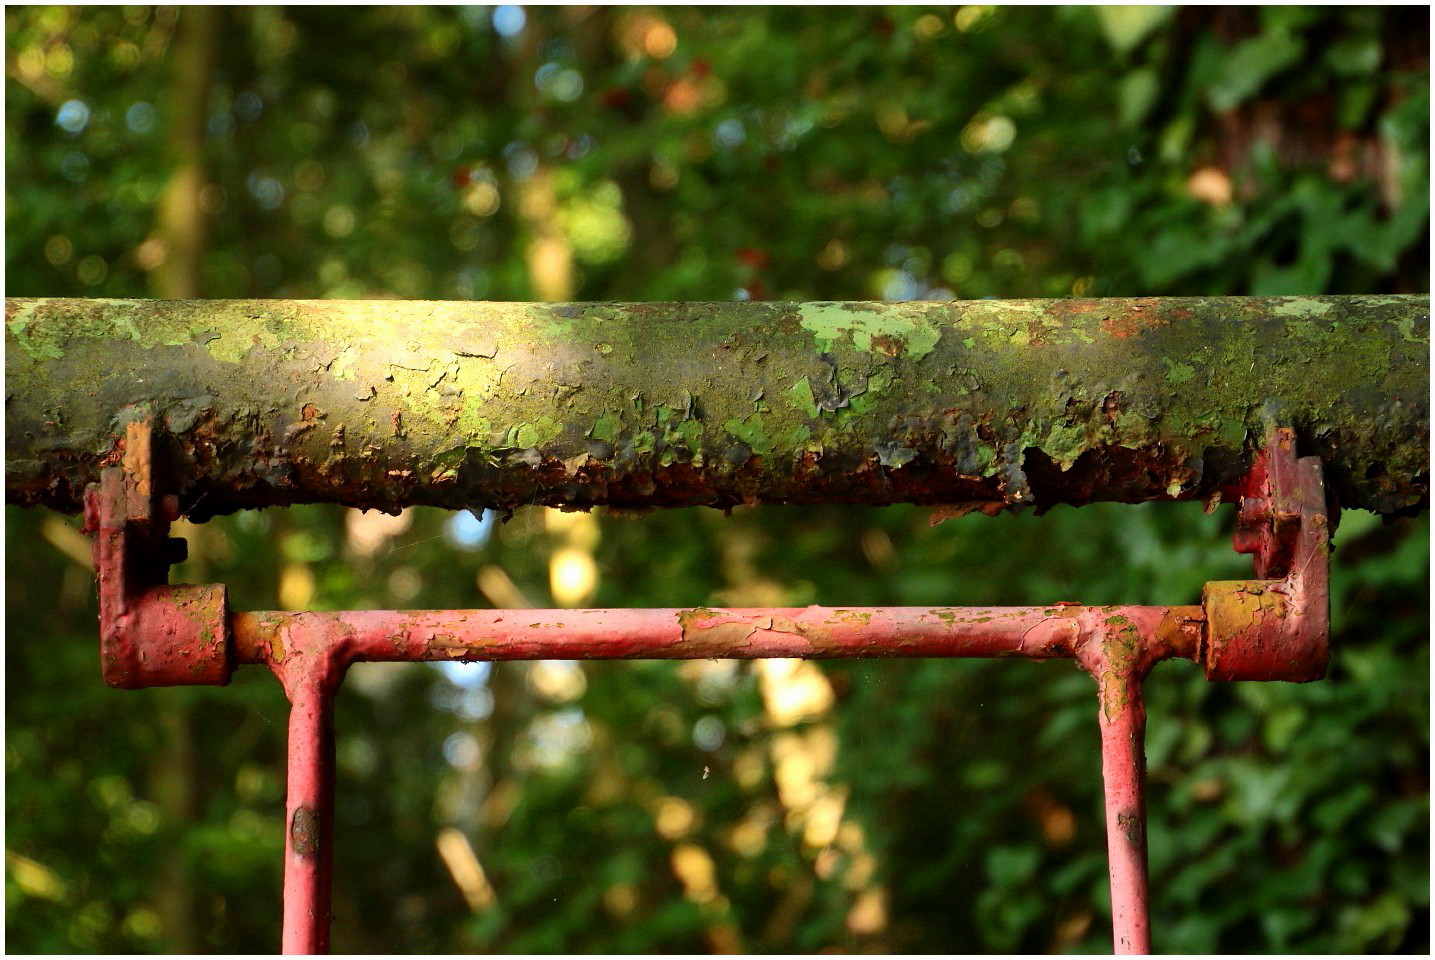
<point>709,732</point>
<point>339,221</point>
<point>461,750</point>
<point>929,26</point>
<point>125,55</point>
<point>567,86</point>
<point>509,20</point>
<point>60,60</point>
<point>59,250</point>
<point>481,199</point>
<point>267,191</point>
<point>92,270</point>
<point>522,161</point>
<point>730,134</point>
<point>75,166</point>
<point>833,256</point>
<point>468,530</point>
<point>140,117</point>
<point>659,40</point>
<point>213,199</point>
<point>73,116</point>
<point>248,106</point>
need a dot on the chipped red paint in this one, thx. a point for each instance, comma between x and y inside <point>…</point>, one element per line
<point>309,813</point>
<point>1121,646</point>
<point>153,634</point>
<point>275,639</point>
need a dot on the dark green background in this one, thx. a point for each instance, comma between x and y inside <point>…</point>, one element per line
<point>674,153</point>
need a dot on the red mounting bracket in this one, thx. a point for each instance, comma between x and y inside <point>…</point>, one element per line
<point>153,634</point>
<point>1275,629</point>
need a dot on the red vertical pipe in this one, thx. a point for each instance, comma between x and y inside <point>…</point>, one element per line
<point>308,841</point>
<point>1123,768</point>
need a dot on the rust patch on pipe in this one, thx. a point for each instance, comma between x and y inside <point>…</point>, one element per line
<point>137,456</point>
<point>699,630</point>
<point>1180,632</point>
<point>304,832</point>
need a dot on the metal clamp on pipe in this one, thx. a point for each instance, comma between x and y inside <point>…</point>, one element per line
<point>152,634</point>
<point>1275,629</point>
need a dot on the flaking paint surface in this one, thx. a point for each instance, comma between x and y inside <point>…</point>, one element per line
<point>1017,402</point>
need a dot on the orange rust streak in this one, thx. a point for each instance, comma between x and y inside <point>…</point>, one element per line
<point>253,636</point>
<point>1182,632</point>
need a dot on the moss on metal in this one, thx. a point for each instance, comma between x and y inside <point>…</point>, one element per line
<point>992,404</point>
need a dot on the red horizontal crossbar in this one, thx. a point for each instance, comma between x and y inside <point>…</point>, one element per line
<point>1038,633</point>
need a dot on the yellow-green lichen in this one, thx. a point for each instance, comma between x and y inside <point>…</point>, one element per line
<point>1065,443</point>
<point>1178,372</point>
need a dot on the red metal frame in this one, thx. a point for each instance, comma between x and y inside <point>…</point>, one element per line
<point>154,634</point>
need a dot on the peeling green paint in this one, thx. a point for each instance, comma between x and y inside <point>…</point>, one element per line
<point>1300,307</point>
<point>795,437</point>
<point>607,426</point>
<point>750,431</point>
<point>801,393</point>
<point>35,349</point>
<point>691,433</point>
<point>876,384</point>
<point>888,331</point>
<point>472,424</point>
<point>39,340</point>
<point>540,431</point>
<point>1406,325</point>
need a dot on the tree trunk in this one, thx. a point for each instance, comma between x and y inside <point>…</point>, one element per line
<point>180,223</point>
<point>182,229</point>
<point>988,404</point>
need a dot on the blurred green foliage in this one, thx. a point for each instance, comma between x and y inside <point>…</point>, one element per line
<point>676,153</point>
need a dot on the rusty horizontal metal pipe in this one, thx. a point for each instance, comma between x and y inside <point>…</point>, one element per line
<point>980,405</point>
